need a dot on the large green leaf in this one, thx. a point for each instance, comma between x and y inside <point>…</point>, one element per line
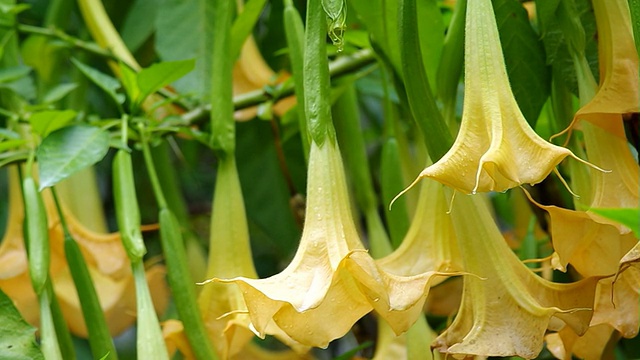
<point>525,58</point>
<point>107,83</point>
<point>139,23</point>
<point>17,337</point>
<point>274,233</point>
<point>554,23</point>
<point>183,31</point>
<point>381,19</point>
<point>69,150</point>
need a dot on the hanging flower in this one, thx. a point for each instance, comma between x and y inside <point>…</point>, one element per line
<point>225,312</point>
<point>592,244</point>
<point>105,257</point>
<point>505,295</point>
<point>495,149</point>
<point>401,280</point>
<point>315,286</point>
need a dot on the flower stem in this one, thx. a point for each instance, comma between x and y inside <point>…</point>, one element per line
<point>316,76</point>
<point>180,281</point>
<point>99,336</point>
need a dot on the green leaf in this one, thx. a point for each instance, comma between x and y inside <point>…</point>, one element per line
<point>17,337</point>
<point>129,79</point>
<point>553,21</point>
<point>525,58</point>
<point>107,83</point>
<point>13,73</point>
<point>139,23</point>
<point>625,216</point>
<point>431,29</point>
<point>69,150</point>
<point>634,6</point>
<point>183,31</point>
<point>58,92</point>
<point>10,144</point>
<point>381,20</point>
<point>156,76</point>
<point>244,24</point>
<point>45,122</point>
<point>13,9</point>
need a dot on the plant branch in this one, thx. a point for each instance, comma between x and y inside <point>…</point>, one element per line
<point>341,66</point>
<point>55,33</point>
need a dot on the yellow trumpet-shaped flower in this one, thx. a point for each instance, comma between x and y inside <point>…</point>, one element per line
<point>105,257</point>
<point>495,149</point>
<point>402,279</point>
<point>315,299</point>
<point>225,312</point>
<point>592,244</point>
<point>223,308</point>
<point>505,308</point>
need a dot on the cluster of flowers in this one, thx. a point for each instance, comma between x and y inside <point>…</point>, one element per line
<point>333,281</point>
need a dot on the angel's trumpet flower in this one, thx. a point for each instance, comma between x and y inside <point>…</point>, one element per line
<point>403,278</point>
<point>496,149</point>
<point>225,314</point>
<point>593,244</point>
<point>503,294</point>
<point>105,258</point>
<point>316,285</point>
<point>223,307</point>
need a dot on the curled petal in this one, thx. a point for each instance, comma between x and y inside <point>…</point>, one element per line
<point>590,346</point>
<point>399,283</point>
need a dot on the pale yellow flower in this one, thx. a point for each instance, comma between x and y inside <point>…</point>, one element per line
<point>223,307</point>
<point>315,299</point>
<point>504,295</point>
<point>495,149</point>
<point>401,280</point>
<point>105,257</point>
